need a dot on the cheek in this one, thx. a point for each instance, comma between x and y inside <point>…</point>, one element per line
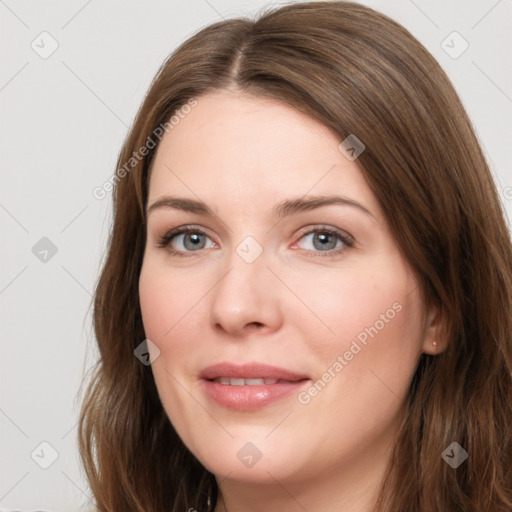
<point>378,299</point>
<point>164,300</point>
<point>361,302</point>
<point>168,306</point>
<point>172,306</point>
<point>156,301</point>
<point>374,315</point>
<point>363,373</point>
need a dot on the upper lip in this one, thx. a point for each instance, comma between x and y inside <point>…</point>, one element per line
<point>250,371</point>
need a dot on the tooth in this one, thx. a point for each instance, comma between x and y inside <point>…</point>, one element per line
<point>234,381</point>
<point>254,382</point>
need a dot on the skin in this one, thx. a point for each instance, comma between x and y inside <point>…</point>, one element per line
<point>297,306</point>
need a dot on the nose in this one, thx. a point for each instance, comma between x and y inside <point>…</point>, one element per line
<point>246,299</point>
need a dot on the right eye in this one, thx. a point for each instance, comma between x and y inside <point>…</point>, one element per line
<point>185,240</point>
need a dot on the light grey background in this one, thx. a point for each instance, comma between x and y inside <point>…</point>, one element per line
<point>64,119</point>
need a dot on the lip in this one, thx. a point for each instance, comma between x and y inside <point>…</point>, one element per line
<point>250,371</point>
<point>247,398</point>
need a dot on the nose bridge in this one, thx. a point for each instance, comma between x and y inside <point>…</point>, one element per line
<point>246,295</point>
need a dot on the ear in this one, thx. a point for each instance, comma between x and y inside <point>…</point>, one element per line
<point>434,339</point>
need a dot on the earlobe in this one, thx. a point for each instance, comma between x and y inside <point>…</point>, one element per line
<point>433,343</point>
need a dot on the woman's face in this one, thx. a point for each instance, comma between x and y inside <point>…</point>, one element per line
<point>289,274</point>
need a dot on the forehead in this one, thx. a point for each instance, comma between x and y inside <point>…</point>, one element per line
<point>246,149</point>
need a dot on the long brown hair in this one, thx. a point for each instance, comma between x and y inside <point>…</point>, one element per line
<point>358,72</point>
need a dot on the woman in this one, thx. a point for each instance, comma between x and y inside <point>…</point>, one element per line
<point>309,249</point>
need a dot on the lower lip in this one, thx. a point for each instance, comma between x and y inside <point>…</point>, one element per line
<point>249,398</point>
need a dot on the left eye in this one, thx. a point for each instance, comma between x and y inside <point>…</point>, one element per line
<point>323,240</point>
<point>326,240</point>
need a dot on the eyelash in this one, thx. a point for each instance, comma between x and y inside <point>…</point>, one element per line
<point>346,239</point>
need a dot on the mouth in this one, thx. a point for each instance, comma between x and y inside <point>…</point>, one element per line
<point>234,381</point>
<point>250,386</point>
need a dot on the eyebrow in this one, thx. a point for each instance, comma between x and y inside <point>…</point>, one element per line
<point>282,209</point>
